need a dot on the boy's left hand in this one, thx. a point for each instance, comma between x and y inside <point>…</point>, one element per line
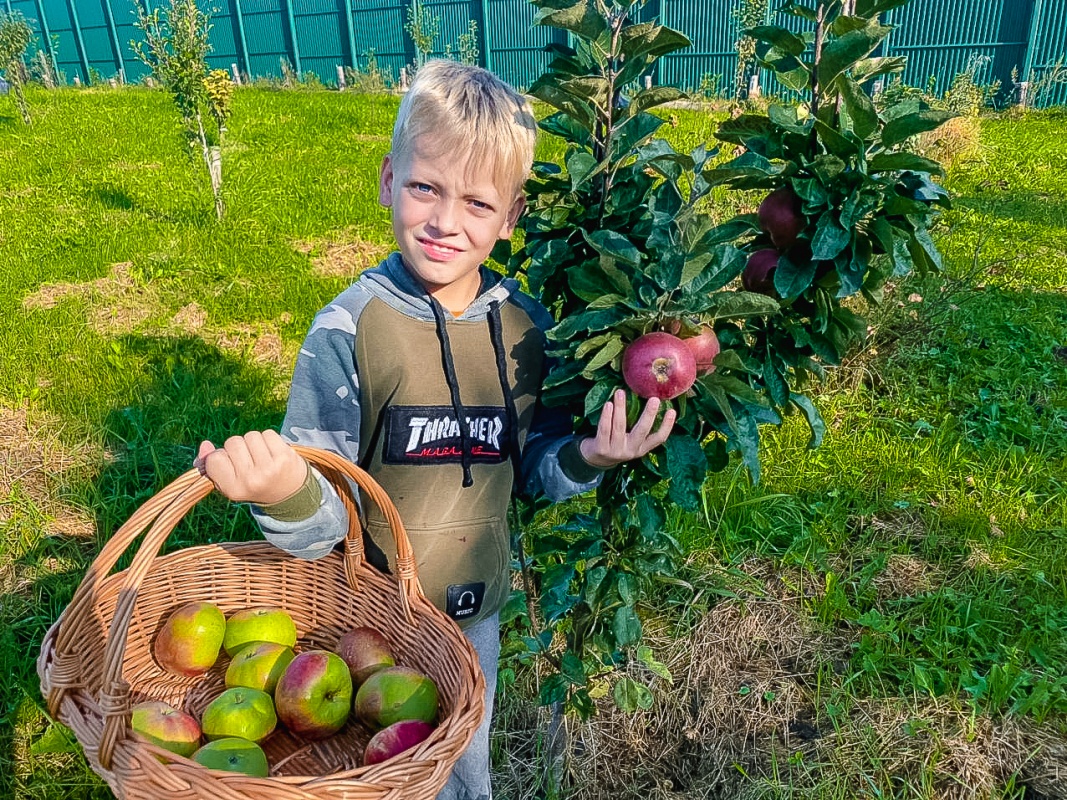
<point>613,444</point>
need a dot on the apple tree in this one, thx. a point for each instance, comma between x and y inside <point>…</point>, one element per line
<point>620,241</point>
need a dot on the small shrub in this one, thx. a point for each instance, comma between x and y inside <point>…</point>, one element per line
<point>15,37</point>
<point>371,79</point>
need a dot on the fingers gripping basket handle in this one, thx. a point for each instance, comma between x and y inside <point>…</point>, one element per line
<point>160,515</point>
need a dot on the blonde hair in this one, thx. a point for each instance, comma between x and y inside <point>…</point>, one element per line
<point>454,108</point>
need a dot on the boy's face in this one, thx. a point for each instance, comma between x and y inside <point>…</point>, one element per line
<point>445,221</point>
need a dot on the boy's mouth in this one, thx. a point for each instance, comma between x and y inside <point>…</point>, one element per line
<point>438,251</point>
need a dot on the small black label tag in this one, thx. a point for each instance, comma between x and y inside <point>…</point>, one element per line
<point>465,600</point>
<point>430,435</point>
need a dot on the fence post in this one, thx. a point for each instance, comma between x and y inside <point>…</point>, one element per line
<point>82,57</point>
<point>42,20</point>
<point>350,29</point>
<point>239,13</point>
<point>1031,45</point>
<point>115,44</point>
<point>292,35</point>
<point>487,57</point>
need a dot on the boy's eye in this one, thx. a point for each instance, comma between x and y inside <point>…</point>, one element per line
<point>480,206</point>
<point>424,188</point>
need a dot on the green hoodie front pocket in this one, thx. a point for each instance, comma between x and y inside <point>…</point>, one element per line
<point>462,565</point>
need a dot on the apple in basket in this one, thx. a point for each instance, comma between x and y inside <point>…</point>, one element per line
<point>395,739</point>
<point>259,666</point>
<point>166,726</point>
<point>314,694</point>
<point>234,755</point>
<point>262,624</point>
<point>394,694</point>
<point>246,713</point>
<point>366,651</point>
<point>189,641</point>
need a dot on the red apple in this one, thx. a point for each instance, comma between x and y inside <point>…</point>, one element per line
<point>659,365</point>
<point>234,755</point>
<point>394,694</point>
<point>166,726</point>
<point>266,624</point>
<point>365,651</point>
<point>314,694</point>
<point>395,739</point>
<point>241,712</point>
<point>781,216</point>
<point>758,275</point>
<point>189,641</point>
<point>259,666</point>
<point>704,347</point>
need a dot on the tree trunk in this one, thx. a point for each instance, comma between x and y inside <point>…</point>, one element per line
<point>213,162</point>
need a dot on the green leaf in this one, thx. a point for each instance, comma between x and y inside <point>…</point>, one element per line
<point>646,657</point>
<point>580,17</point>
<point>796,9</point>
<point>687,468</point>
<point>565,127</point>
<point>630,695</point>
<point>650,39</point>
<point>868,8</point>
<point>544,88</point>
<point>790,279</point>
<point>846,24</point>
<point>889,162</point>
<point>581,166</point>
<point>780,38</point>
<point>633,132</point>
<point>835,141</point>
<point>514,608</point>
<point>589,88</point>
<point>859,106</point>
<point>554,689</point>
<point>867,68</point>
<point>811,414</point>
<point>829,240</point>
<point>650,98</point>
<point>613,244</point>
<point>903,128</point>
<point>739,305</point>
<point>840,54</point>
<point>745,128</point>
<point>627,627</point>
<point>650,519</point>
<point>604,356</point>
<point>748,443</point>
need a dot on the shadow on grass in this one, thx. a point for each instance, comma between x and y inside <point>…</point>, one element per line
<point>190,391</point>
<point>114,197</point>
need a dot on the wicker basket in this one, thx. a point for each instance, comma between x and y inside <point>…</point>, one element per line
<point>96,660</point>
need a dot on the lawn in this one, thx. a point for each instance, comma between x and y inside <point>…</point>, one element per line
<point>883,617</point>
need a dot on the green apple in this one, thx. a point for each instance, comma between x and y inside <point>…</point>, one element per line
<point>263,624</point>
<point>242,712</point>
<point>259,665</point>
<point>166,726</point>
<point>394,694</point>
<point>189,641</point>
<point>314,695</point>
<point>234,755</point>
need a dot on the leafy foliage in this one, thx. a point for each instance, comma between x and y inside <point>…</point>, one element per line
<point>619,241</point>
<point>15,36</point>
<point>175,49</point>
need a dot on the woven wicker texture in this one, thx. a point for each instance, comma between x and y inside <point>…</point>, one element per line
<point>96,660</point>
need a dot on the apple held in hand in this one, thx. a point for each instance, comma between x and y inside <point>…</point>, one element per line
<point>234,755</point>
<point>395,739</point>
<point>394,694</point>
<point>166,726</point>
<point>264,624</point>
<point>365,651</point>
<point>259,666</point>
<point>658,364</point>
<point>314,694</point>
<point>242,712</point>
<point>189,641</point>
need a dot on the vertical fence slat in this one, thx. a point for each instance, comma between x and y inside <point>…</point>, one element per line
<point>78,41</point>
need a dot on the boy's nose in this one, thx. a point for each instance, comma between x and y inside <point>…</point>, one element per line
<point>445,218</point>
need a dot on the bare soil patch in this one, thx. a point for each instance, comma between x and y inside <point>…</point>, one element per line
<point>117,302</point>
<point>342,255</point>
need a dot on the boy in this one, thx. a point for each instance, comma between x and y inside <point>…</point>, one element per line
<point>427,373</point>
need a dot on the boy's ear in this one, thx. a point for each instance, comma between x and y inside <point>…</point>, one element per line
<point>512,218</point>
<point>385,182</point>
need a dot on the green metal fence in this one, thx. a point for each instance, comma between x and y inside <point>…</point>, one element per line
<point>90,38</point>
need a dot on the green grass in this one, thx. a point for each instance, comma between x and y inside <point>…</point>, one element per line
<point>947,439</point>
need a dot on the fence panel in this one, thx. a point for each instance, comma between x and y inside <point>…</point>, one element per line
<point>939,39</point>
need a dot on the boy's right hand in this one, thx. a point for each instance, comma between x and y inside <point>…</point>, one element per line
<point>259,467</point>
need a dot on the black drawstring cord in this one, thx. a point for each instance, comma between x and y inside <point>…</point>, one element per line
<point>453,388</point>
<point>496,334</point>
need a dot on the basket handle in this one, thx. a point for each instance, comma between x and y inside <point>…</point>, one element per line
<point>160,515</point>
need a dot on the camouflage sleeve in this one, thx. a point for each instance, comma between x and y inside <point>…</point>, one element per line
<point>323,411</point>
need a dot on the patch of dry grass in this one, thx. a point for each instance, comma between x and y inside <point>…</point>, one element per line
<point>343,255</point>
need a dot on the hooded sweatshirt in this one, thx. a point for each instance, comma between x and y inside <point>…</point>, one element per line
<point>444,412</point>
